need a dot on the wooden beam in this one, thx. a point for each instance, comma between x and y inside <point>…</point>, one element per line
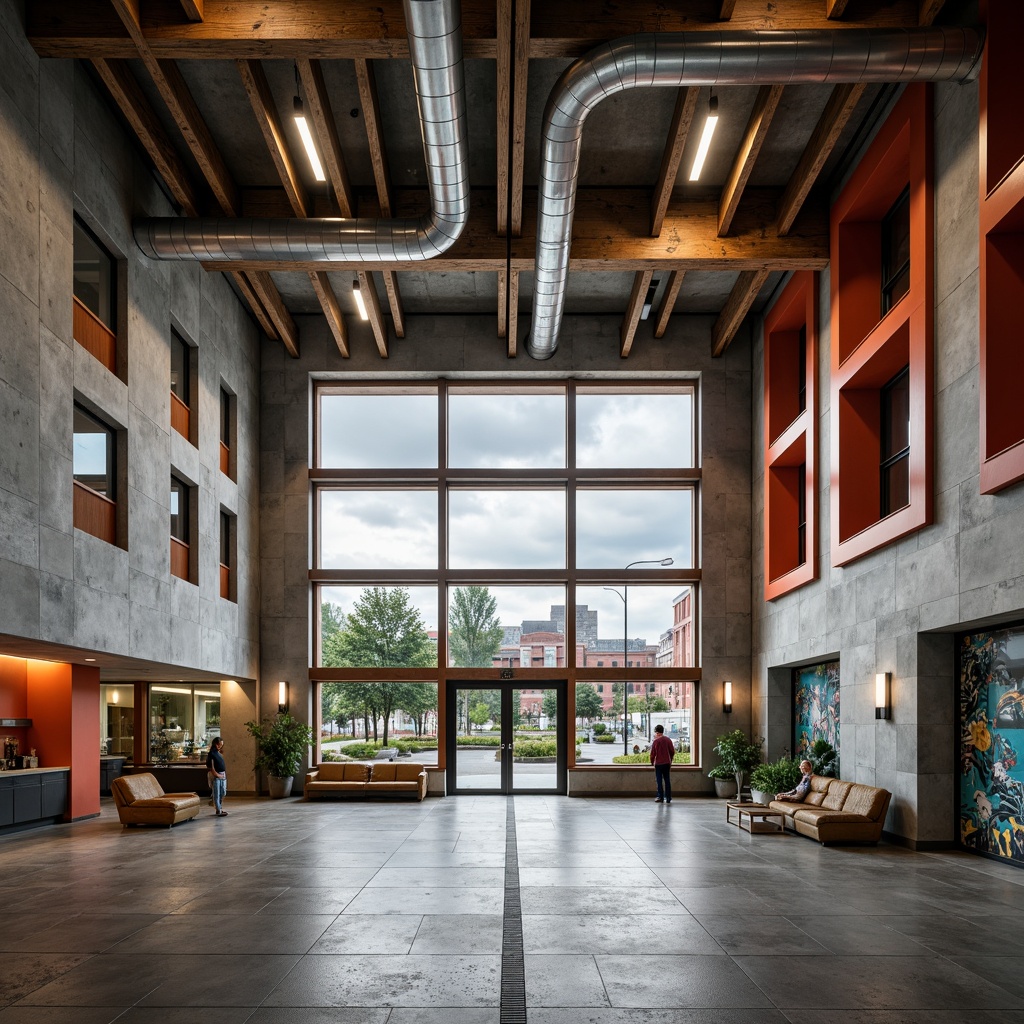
<point>838,110</point>
<point>332,311</point>
<point>520,69</point>
<point>668,302</point>
<point>682,118</point>
<point>508,309</point>
<point>641,282</point>
<point>928,11</point>
<point>395,302</point>
<point>193,9</point>
<point>503,302</point>
<point>374,136</point>
<point>503,109</point>
<point>377,322</point>
<point>834,8</point>
<point>318,106</point>
<point>282,320</point>
<point>257,88</point>
<point>253,301</point>
<point>725,9</point>
<point>127,94</point>
<point>736,307</point>
<point>292,29</point>
<point>761,115</point>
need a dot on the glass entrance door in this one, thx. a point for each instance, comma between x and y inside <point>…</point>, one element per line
<point>505,738</point>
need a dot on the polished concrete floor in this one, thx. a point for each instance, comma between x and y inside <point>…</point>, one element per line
<point>387,913</point>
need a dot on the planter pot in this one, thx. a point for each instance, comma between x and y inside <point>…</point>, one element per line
<point>279,787</point>
<point>725,788</point>
<point>761,798</point>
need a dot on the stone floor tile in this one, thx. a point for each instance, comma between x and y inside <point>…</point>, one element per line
<point>459,933</point>
<point>369,933</point>
<point>552,933</point>
<point>563,980</point>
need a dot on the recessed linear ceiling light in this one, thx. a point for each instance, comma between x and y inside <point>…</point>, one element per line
<point>705,140</point>
<point>307,140</point>
<point>357,292</point>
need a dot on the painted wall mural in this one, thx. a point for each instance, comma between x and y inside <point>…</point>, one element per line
<point>991,741</point>
<point>815,706</point>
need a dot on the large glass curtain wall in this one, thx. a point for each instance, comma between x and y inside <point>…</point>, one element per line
<point>456,523</point>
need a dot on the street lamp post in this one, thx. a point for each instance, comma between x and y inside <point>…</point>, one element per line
<point>624,597</point>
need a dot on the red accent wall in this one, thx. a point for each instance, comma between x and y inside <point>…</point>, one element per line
<point>13,676</point>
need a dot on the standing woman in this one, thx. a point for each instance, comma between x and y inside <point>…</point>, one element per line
<point>218,775</point>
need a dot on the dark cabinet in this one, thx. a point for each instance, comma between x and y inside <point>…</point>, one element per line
<point>30,798</point>
<point>54,795</point>
<point>28,804</point>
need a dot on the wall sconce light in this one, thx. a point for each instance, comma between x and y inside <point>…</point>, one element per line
<point>113,697</point>
<point>727,697</point>
<point>282,697</point>
<point>883,696</point>
<point>360,302</point>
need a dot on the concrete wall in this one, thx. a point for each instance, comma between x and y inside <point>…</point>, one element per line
<point>63,151</point>
<point>896,609</point>
<point>467,346</point>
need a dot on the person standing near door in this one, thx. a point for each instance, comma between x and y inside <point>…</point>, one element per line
<point>662,752</point>
<point>217,773</point>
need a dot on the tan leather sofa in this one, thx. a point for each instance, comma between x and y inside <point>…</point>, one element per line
<point>837,812</point>
<point>347,778</point>
<point>140,800</point>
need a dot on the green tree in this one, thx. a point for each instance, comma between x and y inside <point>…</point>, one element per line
<point>418,700</point>
<point>550,705</point>
<point>588,702</point>
<point>332,622</point>
<point>474,632</point>
<point>383,630</point>
<point>479,714</point>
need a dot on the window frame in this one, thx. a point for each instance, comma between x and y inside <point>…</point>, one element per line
<point>95,512</point>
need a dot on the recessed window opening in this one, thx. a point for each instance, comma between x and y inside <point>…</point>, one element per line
<point>180,376</point>
<point>93,458</point>
<point>896,252</point>
<point>94,275</point>
<point>801,515</point>
<point>179,510</point>
<point>895,443</point>
<point>801,369</point>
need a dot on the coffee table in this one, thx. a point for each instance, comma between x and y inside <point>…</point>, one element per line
<point>757,816</point>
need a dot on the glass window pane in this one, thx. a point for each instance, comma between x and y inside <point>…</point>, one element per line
<point>378,627</point>
<point>369,431</point>
<point>93,275</point>
<point>179,510</point>
<point>92,453</point>
<point>634,431</point>
<point>179,368</point>
<point>506,626</point>
<point>660,626</point>
<point>357,719</point>
<point>521,529</point>
<point>378,529</point>
<point>497,430</point>
<point>616,527</point>
<point>183,721</point>
<point>896,416</point>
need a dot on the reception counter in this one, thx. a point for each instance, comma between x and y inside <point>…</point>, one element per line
<point>31,797</point>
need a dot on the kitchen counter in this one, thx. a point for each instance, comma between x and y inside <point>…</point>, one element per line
<point>32,771</point>
<point>30,797</point>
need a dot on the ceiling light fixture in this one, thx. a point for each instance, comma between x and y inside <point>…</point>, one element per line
<point>705,140</point>
<point>358,294</point>
<point>307,136</point>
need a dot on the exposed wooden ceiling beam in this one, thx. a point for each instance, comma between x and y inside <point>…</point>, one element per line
<point>377,322</point>
<point>610,233</point>
<point>838,110</point>
<point>503,110</point>
<point>725,9</point>
<point>395,302</point>
<point>835,8</point>
<point>682,118</point>
<point>123,87</point>
<point>193,9</point>
<point>761,115</point>
<point>274,305</point>
<point>508,309</point>
<point>332,311</point>
<point>736,307</point>
<point>928,11</point>
<point>318,106</point>
<point>668,302</point>
<point>289,29</point>
<point>252,300</point>
<point>641,282</point>
<point>513,53</point>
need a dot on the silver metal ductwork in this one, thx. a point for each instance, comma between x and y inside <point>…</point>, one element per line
<point>711,58</point>
<point>435,47</point>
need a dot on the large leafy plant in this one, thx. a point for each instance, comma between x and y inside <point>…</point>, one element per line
<point>281,744</point>
<point>824,758</point>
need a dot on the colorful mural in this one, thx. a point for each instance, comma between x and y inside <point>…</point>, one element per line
<point>815,706</point>
<point>991,739</point>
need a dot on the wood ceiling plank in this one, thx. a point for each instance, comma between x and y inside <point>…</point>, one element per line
<point>312,29</point>
<point>503,107</point>
<point>512,347</point>
<point>520,76</point>
<point>668,302</point>
<point>257,88</point>
<point>835,8</point>
<point>627,331</point>
<point>725,9</point>
<point>761,115</point>
<point>374,136</point>
<point>125,90</point>
<point>928,11</point>
<point>838,111</point>
<point>394,301</point>
<point>318,106</point>
<point>503,275</point>
<point>193,9</point>
<point>377,322</point>
<point>682,118</point>
<point>254,304</point>
<point>741,298</point>
<point>282,320</point>
<point>332,311</point>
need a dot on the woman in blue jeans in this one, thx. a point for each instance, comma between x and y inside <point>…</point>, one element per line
<point>218,775</point>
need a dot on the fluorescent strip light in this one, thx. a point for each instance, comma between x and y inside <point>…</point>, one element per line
<point>357,292</point>
<point>705,140</point>
<point>307,141</point>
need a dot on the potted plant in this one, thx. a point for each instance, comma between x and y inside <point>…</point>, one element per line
<point>824,758</point>
<point>725,781</point>
<point>776,777</point>
<point>281,746</point>
<point>738,754</point>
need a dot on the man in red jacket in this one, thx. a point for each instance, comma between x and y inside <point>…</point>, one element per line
<point>662,752</point>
